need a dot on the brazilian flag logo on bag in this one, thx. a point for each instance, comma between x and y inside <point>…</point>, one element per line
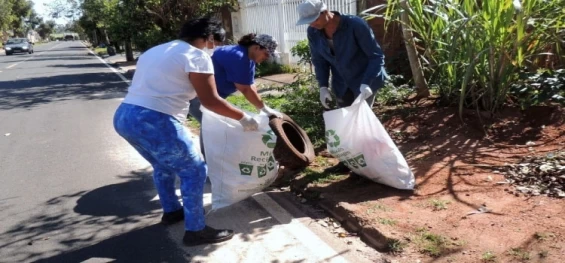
<point>271,164</point>
<point>245,169</point>
<point>332,138</point>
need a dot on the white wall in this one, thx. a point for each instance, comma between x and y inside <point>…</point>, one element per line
<point>278,18</point>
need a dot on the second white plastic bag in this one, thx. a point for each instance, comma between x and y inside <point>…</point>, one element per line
<point>240,163</point>
<point>358,139</point>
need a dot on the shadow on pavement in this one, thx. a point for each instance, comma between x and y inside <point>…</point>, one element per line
<point>35,91</point>
<point>80,66</point>
<point>119,223</point>
<point>113,210</point>
<point>52,58</point>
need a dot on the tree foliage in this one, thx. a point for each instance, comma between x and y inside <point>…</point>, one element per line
<point>18,16</point>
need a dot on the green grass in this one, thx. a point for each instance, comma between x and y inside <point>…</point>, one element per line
<point>542,236</point>
<point>396,246</point>
<point>488,256</point>
<point>438,205</point>
<point>270,68</point>
<point>432,244</point>
<point>241,102</point>
<point>192,123</point>
<point>322,178</point>
<point>322,161</point>
<point>100,51</point>
<point>386,221</point>
<point>378,207</point>
<point>520,254</point>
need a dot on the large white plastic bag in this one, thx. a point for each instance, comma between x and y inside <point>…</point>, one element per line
<point>357,138</point>
<point>240,163</point>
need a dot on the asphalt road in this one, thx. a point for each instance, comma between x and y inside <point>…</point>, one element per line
<point>72,190</point>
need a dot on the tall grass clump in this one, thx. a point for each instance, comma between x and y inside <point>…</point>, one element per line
<point>472,50</point>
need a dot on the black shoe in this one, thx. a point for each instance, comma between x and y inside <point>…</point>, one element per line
<point>175,217</point>
<point>207,235</point>
<point>172,217</point>
<point>339,168</point>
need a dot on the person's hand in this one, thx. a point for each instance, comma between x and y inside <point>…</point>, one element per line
<point>366,91</point>
<point>325,95</point>
<point>271,112</point>
<point>249,123</point>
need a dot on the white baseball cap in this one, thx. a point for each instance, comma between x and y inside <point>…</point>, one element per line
<point>309,11</point>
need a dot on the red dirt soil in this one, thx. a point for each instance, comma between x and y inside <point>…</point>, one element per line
<point>457,168</point>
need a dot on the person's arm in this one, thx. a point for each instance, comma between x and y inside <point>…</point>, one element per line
<point>241,72</point>
<point>205,87</point>
<point>321,65</point>
<point>368,44</point>
<point>201,75</point>
<point>250,93</point>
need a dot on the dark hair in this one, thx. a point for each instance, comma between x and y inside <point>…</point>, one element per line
<point>220,36</point>
<point>248,40</point>
<point>202,28</point>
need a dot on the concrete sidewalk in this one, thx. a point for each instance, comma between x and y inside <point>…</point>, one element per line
<point>119,62</point>
<point>263,83</point>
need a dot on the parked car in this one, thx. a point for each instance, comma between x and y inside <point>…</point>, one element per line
<point>15,45</point>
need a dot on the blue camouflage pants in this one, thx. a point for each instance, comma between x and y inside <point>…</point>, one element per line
<point>166,144</point>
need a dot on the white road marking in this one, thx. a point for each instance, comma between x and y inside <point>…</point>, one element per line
<point>124,79</point>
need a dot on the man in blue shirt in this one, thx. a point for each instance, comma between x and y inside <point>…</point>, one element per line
<point>234,70</point>
<point>343,47</point>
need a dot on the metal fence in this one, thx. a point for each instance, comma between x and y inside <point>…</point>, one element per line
<point>278,18</point>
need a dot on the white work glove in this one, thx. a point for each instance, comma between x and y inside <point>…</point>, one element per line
<point>248,123</point>
<point>271,112</point>
<point>366,91</point>
<point>325,95</point>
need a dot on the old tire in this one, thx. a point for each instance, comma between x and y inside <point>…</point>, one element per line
<point>293,149</point>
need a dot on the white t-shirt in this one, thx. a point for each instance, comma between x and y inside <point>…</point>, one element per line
<point>161,79</point>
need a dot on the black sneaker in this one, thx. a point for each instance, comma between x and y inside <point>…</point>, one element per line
<point>207,235</point>
<point>339,168</point>
<point>172,217</point>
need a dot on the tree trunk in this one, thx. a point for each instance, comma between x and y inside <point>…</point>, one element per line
<point>106,38</point>
<point>422,90</point>
<point>94,38</point>
<point>129,51</point>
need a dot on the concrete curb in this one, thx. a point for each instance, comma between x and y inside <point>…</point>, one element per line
<point>370,235</point>
<point>338,210</point>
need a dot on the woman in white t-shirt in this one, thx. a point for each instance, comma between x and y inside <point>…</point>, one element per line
<point>151,119</point>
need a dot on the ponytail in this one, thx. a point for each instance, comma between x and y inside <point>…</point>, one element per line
<point>247,40</point>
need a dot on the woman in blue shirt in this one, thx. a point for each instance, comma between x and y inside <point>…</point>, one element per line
<point>234,68</point>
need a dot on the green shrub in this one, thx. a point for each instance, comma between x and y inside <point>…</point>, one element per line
<point>271,68</point>
<point>302,104</point>
<point>473,50</point>
<point>536,88</point>
<point>302,50</point>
